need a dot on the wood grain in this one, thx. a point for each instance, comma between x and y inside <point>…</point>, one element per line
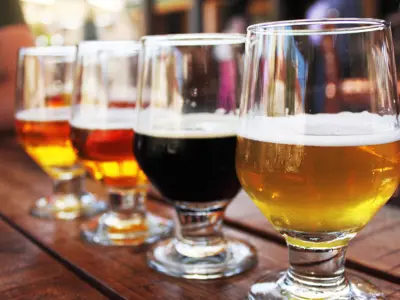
<point>126,272</point>
<point>26,272</point>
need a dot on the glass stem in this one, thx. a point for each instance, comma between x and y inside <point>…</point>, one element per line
<point>73,186</point>
<point>199,229</point>
<point>127,203</point>
<point>321,269</point>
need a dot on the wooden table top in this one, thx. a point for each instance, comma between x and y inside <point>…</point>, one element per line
<point>41,259</point>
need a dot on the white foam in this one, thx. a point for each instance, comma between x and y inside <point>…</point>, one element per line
<point>169,124</point>
<point>92,118</point>
<point>46,114</point>
<point>343,129</point>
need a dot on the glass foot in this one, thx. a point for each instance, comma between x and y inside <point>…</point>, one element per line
<point>109,230</point>
<point>274,287</point>
<point>238,258</point>
<point>68,207</point>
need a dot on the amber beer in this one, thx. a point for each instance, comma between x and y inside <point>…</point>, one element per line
<point>45,135</point>
<point>105,147</point>
<point>321,174</point>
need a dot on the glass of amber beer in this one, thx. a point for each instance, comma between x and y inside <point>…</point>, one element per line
<point>102,132</point>
<point>319,157</point>
<point>185,142</point>
<point>43,100</point>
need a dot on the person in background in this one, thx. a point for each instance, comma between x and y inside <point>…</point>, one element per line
<point>335,9</point>
<point>14,34</point>
<point>236,23</point>
<point>236,16</point>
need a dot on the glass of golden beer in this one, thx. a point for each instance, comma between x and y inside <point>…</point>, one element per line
<point>43,99</point>
<point>103,117</point>
<point>318,145</point>
<point>185,143</point>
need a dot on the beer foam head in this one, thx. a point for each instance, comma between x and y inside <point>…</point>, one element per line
<point>45,114</point>
<point>343,129</point>
<point>168,124</point>
<point>93,118</point>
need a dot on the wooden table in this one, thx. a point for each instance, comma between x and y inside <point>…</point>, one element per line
<point>42,259</point>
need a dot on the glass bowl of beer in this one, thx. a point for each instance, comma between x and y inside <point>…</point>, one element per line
<point>185,143</point>
<point>43,108</point>
<point>102,132</point>
<point>319,158</point>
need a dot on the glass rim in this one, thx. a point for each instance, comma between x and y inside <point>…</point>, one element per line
<point>195,39</point>
<point>114,48</point>
<point>48,51</point>
<point>99,45</point>
<point>277,28</point>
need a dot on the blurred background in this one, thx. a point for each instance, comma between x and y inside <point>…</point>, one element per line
<point>66,22</point>
<point>26,23</point>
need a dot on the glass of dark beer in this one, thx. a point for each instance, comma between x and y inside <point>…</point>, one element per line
<point>102,121</point>
<point>185,143</point>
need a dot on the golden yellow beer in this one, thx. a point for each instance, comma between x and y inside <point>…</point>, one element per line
<point>327,184</point>
<point>45,136</point>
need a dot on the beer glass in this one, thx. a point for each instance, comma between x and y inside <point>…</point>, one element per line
<point>102,122</point>
<point>317,155</point>
<point>185,143</point>
<point>43,99</point>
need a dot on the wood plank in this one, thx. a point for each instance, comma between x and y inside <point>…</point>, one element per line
<point>128,275</point>
<point>377,246</point>
<point>27,272</point>
<point>120,269</point>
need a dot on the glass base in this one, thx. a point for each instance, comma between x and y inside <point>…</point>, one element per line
<point>109,230</point>
<point>238,258</point>
<point>274,287</point>
<point>68,207</point>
